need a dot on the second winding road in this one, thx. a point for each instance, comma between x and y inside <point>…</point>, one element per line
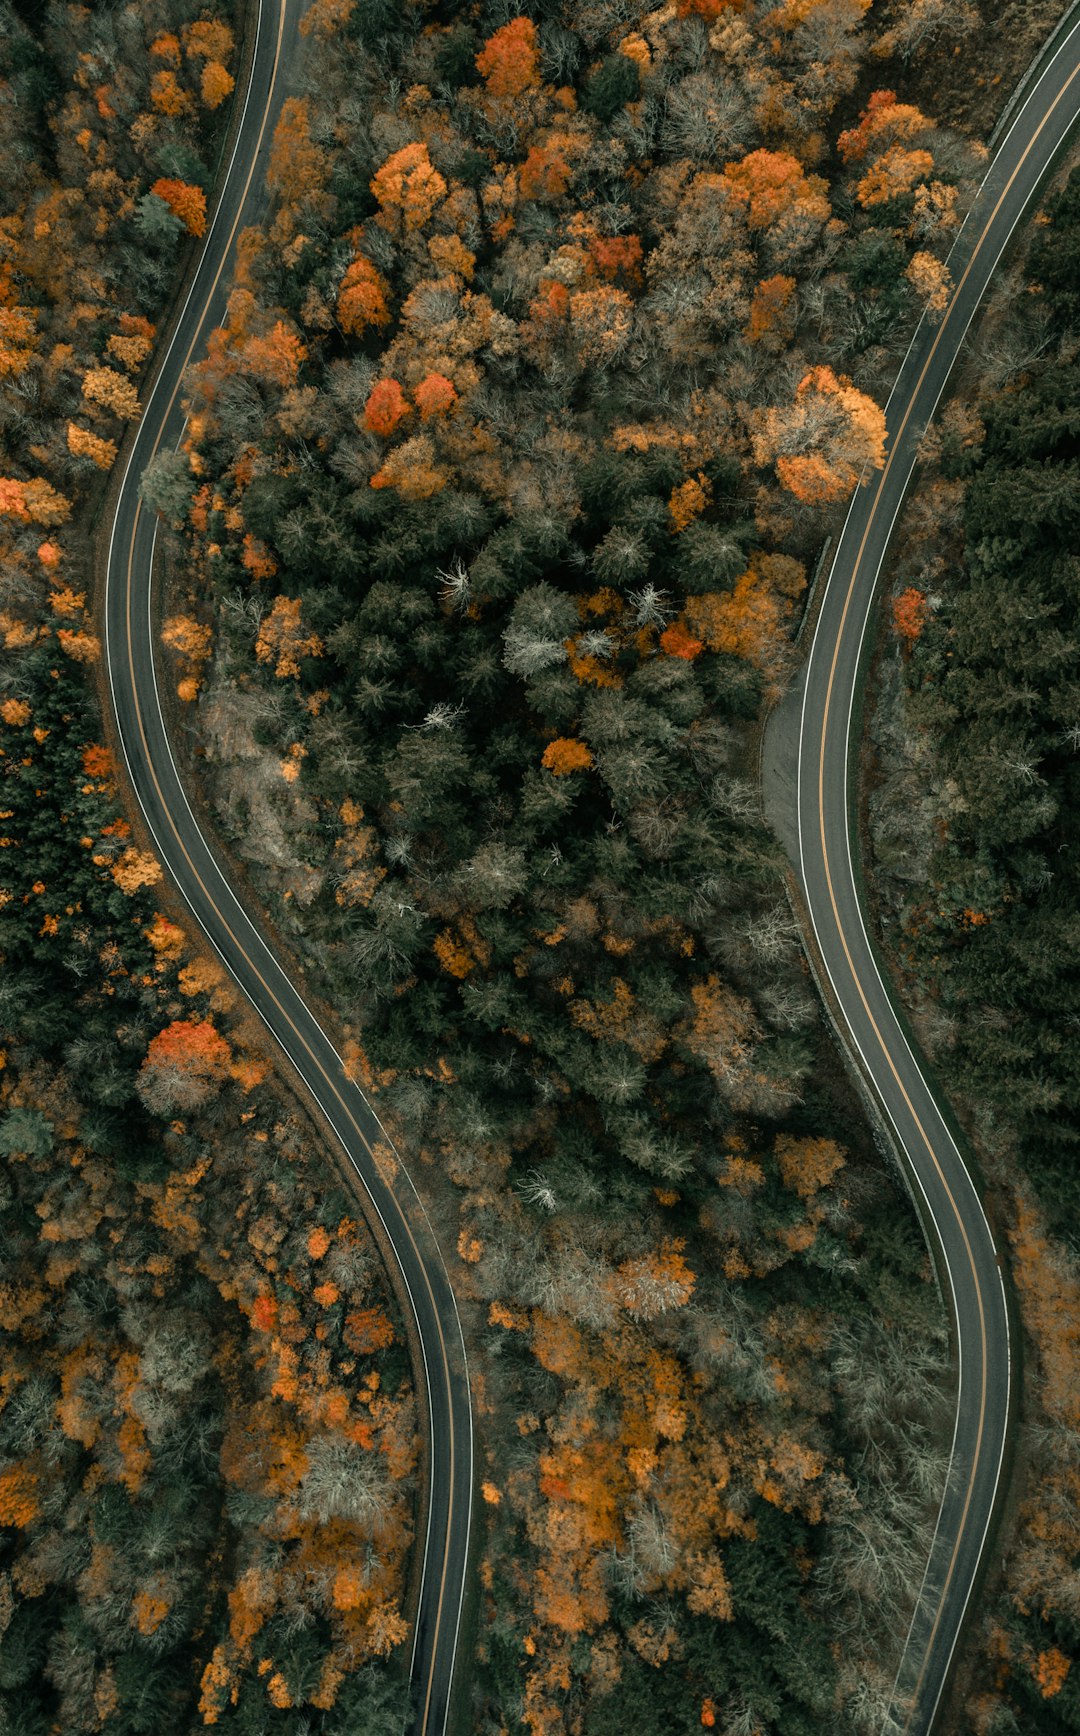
<point>952,1208</point>
<point>949,1200</point>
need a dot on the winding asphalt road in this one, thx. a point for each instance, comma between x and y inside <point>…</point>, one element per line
<point>194,870</point>
<point>828,871</point>
<point>826,776</point>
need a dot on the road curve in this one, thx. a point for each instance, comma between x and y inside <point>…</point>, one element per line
<point>830,881</point>
<point>190,862</point>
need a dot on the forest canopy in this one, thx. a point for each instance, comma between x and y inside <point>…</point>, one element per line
<point>540,387</point>
<point>207,1427</point>
<point>975,830</point>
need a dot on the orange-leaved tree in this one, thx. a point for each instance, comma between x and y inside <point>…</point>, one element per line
<point>678,641</point>
<point>208,39</point>
<point>807,1164</point>
<point>386,406</point>
<point>185,1063</point>
<point>185,201</point>
<point>1051,1672</point>
<point>82,443</point>
<point>751,620</point>
<point>434,396</point>
<point>32,502</point>
<point>566,755</point>
<point>689,500</point>
<point>929,277</point>
<point>282,641</point>
<point>363,298</point>
<point>895,173</point>
<point>408,187</point>
<point>823,442</point>
<point>710,10</point>
<point>18,328</point>
<point>412,470</point>
<point>772,312</point>
<point>298,166</point>
<point>216,84</point>
<point>367,1330</point>
<point>545,174</point>
<point>275,355</point>
<point>883,122</point>
<point>771,184</point>
<point>909,612</point>
<point>510,59</point>
<point>18,1498</point>
<point>112,391</point>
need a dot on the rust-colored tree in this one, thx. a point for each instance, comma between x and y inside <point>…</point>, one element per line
<point>297,167</point>
<point>387,405</point>
<point>808,1164</point>
<point>772,312</point>
<point>408,187</point>
<point>825,441</point>
<point>771,185</point>
<point>434,396</point>
<point>363,298</point>
<point>510,59</point>
<point>909,612</point>
<point>185,201</point>
<point>566,755</point>
<point>185,1064</point>
<point>282,641</point>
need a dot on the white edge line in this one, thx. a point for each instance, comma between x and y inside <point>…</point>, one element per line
<point>272,965</point>
<point>919,331</point>
<point>124,483</point>
<point>123,486</point>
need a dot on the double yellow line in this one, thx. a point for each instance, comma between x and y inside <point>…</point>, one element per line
<point>856,574</point>
<point>178,850</point>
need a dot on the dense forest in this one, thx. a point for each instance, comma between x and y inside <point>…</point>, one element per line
<point>207,1428</point>
<point>975,827</point>
<point>207,1431</point>
<point>552,367</point>
<point>540,388</point>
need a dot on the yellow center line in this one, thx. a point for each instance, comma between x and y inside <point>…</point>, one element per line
<point>320,1069</point>
<point>832,894</point>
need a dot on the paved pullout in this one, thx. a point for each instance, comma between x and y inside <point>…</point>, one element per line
<point>947,1195</point>
<point>189,860</point>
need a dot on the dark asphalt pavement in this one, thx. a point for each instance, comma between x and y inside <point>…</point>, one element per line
<point>827,868</point>
<point>194,870</point>
<point>829,872</point>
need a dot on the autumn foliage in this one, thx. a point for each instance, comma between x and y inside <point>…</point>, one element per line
<point>297,165</point>
<point>187,202</point>
<point>183,1063</point>
<point>434,396</point>
<point>197,1291</point>
<point>282,640</point>
<point>363,298</point>
<point>509,60</point>
<point>387,405</point>
<point>826,441</point>
<point>581,316</point>
<point>772,310</point>
<point>773,185</point>
<point>884,123</point>
<point>909,611</point>
<point>408,187</point>
<point>565,755</point>
<point>678,641</point>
